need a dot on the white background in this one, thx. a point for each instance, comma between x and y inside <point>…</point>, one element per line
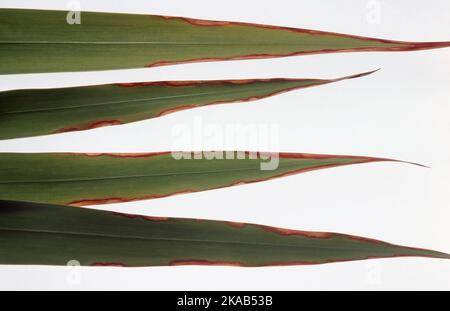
<point>402,112</point>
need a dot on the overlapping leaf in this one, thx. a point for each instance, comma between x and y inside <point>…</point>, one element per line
<point>36,234</point>
<point>85,179</point>
<point>43,41</point>
<point>46,111</point>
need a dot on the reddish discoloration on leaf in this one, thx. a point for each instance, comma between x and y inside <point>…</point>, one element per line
<point>212,82</point>
<point>215,59</point>
<point>194,262</point>
<point>308,234</point>
<point>317,234</point>
<point>325,235</point>
<point>150,218</point>
<point>177,109</point>
<point>236,224</point>
<point>88,202</point>
<point>96,202</point>
<point>91,126</point>
<point>197,22</point>
<point>287,232</point>
<point>288,155</point>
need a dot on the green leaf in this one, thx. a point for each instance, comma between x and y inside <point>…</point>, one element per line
<point>90,179</point>
<point>37,234</point>
<point>46,111</point>
<point>43,41</point>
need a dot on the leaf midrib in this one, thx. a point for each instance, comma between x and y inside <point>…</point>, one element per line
<point>112,236</point>
<point>153,43</point>
<point>131,100</point>
<point>151,175</point>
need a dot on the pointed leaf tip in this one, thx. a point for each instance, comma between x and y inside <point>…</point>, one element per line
<point>417,46</point>
<point>359,75</point>
<point>378,159</point>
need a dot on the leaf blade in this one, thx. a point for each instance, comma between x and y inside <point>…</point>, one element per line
<point>87,179</point>
<point>54,235</point>
<point>25,113</point>
<point>106,41</point>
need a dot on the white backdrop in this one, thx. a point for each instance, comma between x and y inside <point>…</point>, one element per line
<point>401,112</point>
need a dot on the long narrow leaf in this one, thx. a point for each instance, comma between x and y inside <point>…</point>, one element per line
<point>46,111</point>
<point>43,41</point>
<point>35,234</point>
<point>89,179</point>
